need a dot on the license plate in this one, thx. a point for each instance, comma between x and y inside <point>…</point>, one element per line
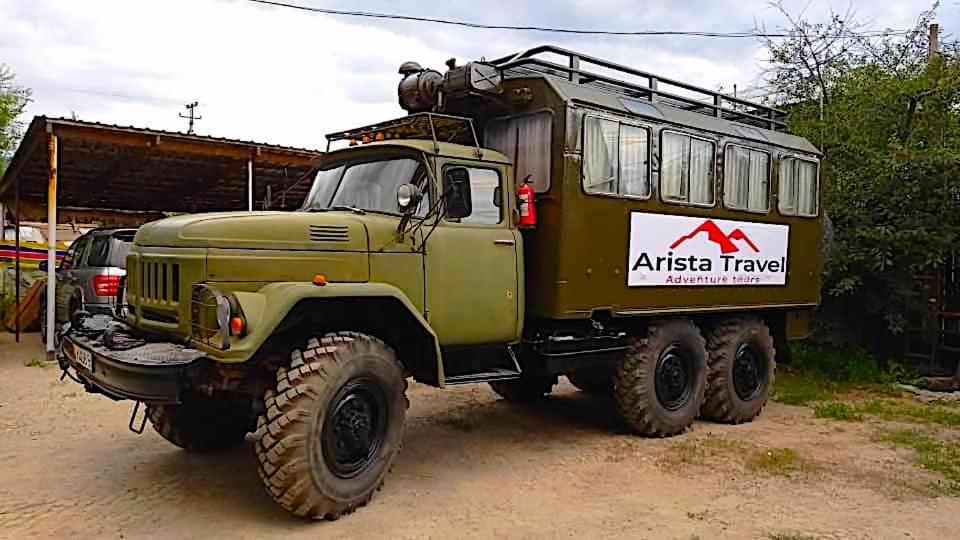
<point>83,357</point>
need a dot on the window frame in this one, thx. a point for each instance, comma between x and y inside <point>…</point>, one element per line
<point>504,210</point>
<point>715,144</point>
<point>79,257</point>
<point>792,155</point>
<point>723,191</point>
<point>423,166</point>
<point>583,161</point>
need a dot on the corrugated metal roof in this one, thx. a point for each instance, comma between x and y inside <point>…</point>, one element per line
<point>110,166</point>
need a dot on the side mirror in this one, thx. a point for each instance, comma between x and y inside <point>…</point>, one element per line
<point>456,193</point>
<point>43,267</point>
<point>408,197</point>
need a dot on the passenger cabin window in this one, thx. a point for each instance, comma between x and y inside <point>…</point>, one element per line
<point>485,197</point>
<point>798,187</point>
<point>686,169</point>
<point>526,141</point>
<point>746,179</point>
<point>615,158</point>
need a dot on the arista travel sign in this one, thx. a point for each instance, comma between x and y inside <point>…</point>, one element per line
<point>678,251</point>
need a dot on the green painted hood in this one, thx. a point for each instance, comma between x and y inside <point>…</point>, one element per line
<point>328,231</point>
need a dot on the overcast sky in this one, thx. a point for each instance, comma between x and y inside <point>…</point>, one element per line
<point>288,77</point>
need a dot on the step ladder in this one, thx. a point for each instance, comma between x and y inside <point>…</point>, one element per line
<point>487,375</point>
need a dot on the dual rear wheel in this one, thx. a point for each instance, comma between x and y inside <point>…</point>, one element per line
<point>674,373</point>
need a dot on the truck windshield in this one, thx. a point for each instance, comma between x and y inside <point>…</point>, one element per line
<point>370,185</point>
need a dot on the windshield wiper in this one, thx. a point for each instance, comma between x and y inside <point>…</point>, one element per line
<point>341,207</point>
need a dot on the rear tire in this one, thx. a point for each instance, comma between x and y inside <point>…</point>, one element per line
<point>333,426</point>
<point>593,382</point>
<point>203,424</point>
<point>659,384</point>
<point>741,369</point>
<point>525,389</point>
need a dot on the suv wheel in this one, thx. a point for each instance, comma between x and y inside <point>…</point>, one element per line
<point>659,384</point>
<point>741,360</point>
<point>333,425</point>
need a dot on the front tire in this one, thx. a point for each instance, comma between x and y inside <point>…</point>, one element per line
<point>202,424</point>
<point>333,426</point>
<point>741,369</point>
<point>659,384</point>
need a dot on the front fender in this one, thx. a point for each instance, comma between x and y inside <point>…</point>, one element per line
<point>267,308</point>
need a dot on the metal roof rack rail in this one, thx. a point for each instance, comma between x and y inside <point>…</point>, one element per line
<point>427,126</point>
<point>656,89</point>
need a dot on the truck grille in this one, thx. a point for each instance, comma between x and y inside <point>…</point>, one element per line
<point>329,233</point>
<point>159,282</point>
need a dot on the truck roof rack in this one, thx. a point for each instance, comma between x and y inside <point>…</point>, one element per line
<point>654,88</point>
<point>428,126</point>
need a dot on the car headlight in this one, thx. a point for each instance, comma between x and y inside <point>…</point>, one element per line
<point>214,316</point>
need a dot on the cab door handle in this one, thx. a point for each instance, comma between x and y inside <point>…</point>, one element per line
<point>505,242</point>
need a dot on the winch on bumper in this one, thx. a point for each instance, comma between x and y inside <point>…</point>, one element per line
<point>111,358</point>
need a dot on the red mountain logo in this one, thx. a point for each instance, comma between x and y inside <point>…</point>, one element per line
<point>717,236</point>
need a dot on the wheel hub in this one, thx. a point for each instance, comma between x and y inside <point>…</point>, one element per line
<point>355,427</point>
<point>674,377</point>
<point>749,372</point>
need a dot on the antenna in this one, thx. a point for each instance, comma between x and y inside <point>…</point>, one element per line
<point>190,117</point>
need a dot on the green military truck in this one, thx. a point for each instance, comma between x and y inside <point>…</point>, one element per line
<point>665,243</point>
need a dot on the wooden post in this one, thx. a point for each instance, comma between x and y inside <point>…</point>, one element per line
<point>51,242</point>
<point>16,236</point>
<point>250,184</point>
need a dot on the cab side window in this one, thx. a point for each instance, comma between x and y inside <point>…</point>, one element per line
<point>476,193</point>
<point>686,169</point>
<point>798,187</point>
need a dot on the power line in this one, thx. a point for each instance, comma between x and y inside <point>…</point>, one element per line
<point>470,24</point>
<point>131,97</point>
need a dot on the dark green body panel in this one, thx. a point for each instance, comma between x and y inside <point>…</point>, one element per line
<point>576,257</point>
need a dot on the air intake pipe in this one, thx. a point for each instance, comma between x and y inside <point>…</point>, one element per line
<point>424,90</point>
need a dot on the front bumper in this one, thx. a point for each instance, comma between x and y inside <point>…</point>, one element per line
<point>98,351</point>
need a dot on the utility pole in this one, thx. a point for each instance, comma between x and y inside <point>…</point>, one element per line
<point>933,44</point>
<point>190,117</point>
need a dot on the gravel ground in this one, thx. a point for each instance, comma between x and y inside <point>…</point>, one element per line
<point>472,466</point>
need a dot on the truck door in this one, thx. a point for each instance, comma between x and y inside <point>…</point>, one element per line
<point>472,279</point>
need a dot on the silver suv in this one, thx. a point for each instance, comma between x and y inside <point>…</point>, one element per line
<point>88,278</point>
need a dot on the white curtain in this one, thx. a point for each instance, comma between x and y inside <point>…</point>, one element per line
<point>501,136</point>
<point>736,177</point>
<point>533,149</point>
<point>600,155</point>
<point>634,179</point>
<point>701,171</point>
<point>759,183</point>
<point>746,179</point>
<point>788,182</point>
<point>674,161</point>
<point>806,188</point>
<point>526,141</point>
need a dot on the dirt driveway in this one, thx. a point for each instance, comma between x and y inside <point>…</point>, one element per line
<point>472,466</point>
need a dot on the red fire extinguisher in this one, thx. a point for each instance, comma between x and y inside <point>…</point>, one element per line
<point>528,211</point>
